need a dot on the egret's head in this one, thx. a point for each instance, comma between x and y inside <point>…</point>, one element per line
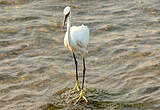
<point>67,10</point>
<point>66,13</point>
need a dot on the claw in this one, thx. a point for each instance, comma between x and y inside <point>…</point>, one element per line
<point>81,95</point>
<point>77,86</point>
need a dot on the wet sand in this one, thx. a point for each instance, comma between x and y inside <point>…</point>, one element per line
<point>123,62</point>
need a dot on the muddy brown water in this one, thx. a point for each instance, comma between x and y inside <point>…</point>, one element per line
<point>123,64</point>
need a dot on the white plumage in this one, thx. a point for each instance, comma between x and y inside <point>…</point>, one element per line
<point>76,37</point>
<point>79,36</point>
<point>76,40</point>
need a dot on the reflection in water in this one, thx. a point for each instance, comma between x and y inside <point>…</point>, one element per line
<point>123,62</point>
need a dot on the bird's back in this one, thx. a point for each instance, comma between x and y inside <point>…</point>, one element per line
<point>79,37</point>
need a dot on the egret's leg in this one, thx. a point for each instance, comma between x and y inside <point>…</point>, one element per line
<point>77,85</point>
<point>84,70</point>
<point>82,93</point>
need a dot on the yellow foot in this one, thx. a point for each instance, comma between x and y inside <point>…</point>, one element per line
<point>77,86</point>
<point>81,95</point>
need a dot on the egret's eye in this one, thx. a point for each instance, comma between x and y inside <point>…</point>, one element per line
<point>67,10</point>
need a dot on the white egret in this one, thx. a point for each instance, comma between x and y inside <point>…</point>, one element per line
<point>76,40</point>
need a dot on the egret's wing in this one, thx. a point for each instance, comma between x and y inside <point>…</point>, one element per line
<point>80,34</point>
<point>79,37</point>
<point>80,44</point>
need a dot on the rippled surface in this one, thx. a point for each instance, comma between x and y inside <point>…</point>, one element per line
<point>123,62</point>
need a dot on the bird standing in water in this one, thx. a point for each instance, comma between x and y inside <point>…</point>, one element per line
<point>76,40</point>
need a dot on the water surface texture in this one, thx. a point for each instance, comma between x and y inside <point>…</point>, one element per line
<point>123,64</point>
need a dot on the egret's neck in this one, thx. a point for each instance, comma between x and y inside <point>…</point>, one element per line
<point>69,23</point>
<point>68,27</point>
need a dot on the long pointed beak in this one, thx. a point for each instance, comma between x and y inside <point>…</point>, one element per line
<point>64,20</point>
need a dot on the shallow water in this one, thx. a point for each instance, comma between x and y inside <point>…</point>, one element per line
<point>123,62</point>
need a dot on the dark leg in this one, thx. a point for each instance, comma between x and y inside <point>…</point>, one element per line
<point>84,70</point>
<point>76,65</point>
<point>77,85</point>
<point>82,93</point>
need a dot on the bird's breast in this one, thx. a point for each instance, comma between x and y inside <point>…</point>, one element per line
<point>66,42</point>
